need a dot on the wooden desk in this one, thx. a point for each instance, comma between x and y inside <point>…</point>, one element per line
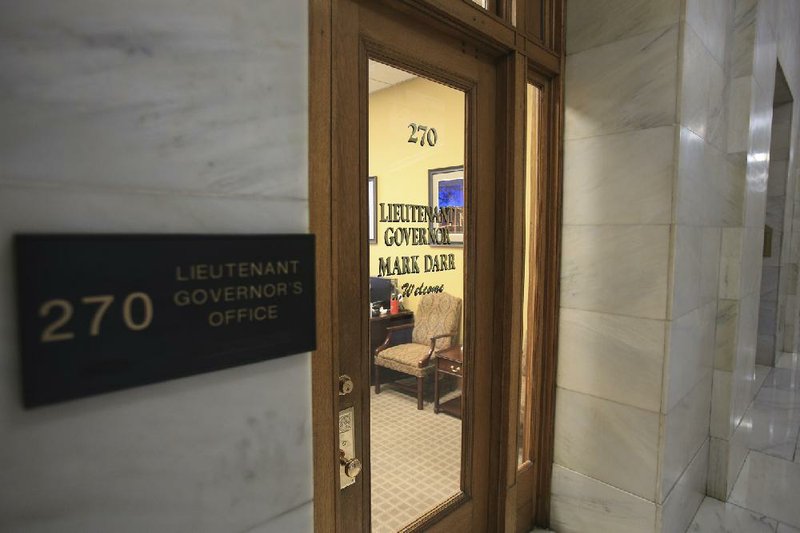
<point>377,334</point>
<point>449,361</point>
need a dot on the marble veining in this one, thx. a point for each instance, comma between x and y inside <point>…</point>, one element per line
<point>622,86</point>
<point>715,516</point>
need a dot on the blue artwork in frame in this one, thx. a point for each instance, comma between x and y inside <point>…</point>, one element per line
<point>446,189</point>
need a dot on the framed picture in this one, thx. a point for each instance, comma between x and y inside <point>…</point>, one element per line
<point>446,189</point>
<point>372,211</point>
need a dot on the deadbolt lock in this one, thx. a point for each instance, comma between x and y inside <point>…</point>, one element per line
<point>352,466</point>
<point>345,384</point>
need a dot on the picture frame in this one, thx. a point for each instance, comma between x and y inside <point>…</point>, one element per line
<point>372,209</point>
<point>446,189</point>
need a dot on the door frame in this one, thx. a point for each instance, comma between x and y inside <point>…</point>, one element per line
<point>519,498</point>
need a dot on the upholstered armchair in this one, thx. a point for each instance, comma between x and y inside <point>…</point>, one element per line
<point>435,327</point>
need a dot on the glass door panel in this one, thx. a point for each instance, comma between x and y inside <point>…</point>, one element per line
<point>416,228</point>
<point>524,430</point>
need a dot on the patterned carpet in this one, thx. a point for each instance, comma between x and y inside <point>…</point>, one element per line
<point>416,458</point>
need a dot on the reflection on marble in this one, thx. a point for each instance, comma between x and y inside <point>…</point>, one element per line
<point>769,485</point>
<point>623,178</point>
<point>768,429</point>
<point>598,351</point>
<point>608,441</point>
<point>609,88</point>
<point>580,504</point>
<point>715,516</point>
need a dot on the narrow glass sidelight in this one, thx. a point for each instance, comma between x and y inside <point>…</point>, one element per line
<point>532,140</point>
<point>416,227</point>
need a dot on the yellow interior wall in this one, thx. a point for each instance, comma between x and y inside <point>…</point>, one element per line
<point>402,167</point>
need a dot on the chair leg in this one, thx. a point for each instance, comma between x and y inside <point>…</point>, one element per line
<point>377,379</point>
<point>419,393</point>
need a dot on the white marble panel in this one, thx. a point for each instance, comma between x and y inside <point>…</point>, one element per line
<point>616,269</point>
<point>717,485</point>
<point>744,38</point>
<point>580,503</point>
<point>702,89</point>
<point>737,454</point>
<point>766,48</point>
<point>752,260</point>
<point>683,501</point>
<point>721,423</point>
<point>730,190</point>
<point>770,486</point>
<point>695,268</point>
<point>597,352</point>
<point>614,443</point>
<point>209,98</point>
<point>611,88</point>
<point>696,199</point>
<point>208,453</point>
<point>40,209</point>
<point>591,23</point>
<point>715,516</point>
<point>299,519</point>
<point>710,18</point>
<point>685,430</point>
<point>690,354</point>
<point>739,101</point>
<point>623,178</point>
<point>731,263</point>
<point>725,336</point>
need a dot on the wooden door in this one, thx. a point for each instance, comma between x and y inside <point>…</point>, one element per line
<point>373,31</point>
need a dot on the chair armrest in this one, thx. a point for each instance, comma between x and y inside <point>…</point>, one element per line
<point>389,331</point>
<point>424,361</point>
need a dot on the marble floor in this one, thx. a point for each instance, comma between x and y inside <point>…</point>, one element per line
<point>766,495</point>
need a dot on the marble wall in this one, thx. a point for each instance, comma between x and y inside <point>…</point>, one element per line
<point>155,116</point>
<point>765,33</point>
<point>619,166</point>
<point>661,255</point>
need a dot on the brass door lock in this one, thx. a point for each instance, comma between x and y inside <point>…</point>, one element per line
<point>345,384</point>
<point>352,466</point>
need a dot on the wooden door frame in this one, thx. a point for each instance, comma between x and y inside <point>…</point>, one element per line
<point>520,59</point>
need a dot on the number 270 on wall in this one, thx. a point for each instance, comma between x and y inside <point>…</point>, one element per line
<point>425,134</point>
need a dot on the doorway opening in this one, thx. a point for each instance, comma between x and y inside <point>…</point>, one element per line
<point>778,300</point>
